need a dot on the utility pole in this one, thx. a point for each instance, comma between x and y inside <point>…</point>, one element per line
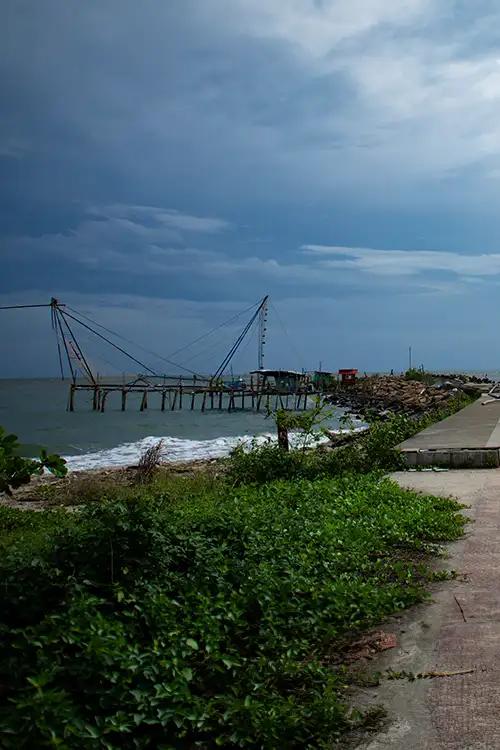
<point>409,357</point>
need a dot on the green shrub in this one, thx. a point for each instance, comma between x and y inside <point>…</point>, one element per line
<point>423,377</point>
<point>375,450</point>
<point>149,623</point>
<point>15,470</point>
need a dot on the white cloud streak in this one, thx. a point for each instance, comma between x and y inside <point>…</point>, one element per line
<point>404,262</point>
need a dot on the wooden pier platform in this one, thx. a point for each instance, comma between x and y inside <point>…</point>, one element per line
<point>189,396</point>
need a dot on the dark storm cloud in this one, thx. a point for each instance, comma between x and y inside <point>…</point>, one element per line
<point>187,151</point>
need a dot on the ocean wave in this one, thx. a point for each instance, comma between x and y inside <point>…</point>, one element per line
<point>175,450</point>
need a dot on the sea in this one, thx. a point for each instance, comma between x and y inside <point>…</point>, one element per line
<point>35,411</point>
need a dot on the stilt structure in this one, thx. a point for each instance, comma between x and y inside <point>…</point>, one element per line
<point>269,389</point>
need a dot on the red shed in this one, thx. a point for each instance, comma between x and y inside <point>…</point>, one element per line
<point>348,375</point>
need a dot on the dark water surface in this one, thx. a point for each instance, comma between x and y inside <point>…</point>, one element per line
<point>35,410</point>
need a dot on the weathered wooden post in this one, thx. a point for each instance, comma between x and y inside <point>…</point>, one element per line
<point>193,395</point>
<point>282,433</point>
<point>204,401</point>
<point>124,399</point>
<point>144,402</point>
<point>163,399</point>
<point>103,400</point>
<point>71,401</point>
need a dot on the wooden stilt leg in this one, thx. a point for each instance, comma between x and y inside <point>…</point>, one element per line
<point>103,401</point>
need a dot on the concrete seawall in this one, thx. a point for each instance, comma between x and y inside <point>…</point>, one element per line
<point>468,439</point>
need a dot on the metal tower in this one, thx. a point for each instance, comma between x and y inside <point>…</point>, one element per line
<point>262,332</point>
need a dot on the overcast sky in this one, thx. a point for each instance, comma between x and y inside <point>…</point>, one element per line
<point>166,163</point>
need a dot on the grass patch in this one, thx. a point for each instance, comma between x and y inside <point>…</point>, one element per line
<point>195,614</point>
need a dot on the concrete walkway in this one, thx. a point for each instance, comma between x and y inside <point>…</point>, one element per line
<point>469,438</point>
<point>458,630</point>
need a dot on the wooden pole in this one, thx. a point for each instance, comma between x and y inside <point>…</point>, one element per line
<point>172,408</point>
<point>124,399</point>
<point>243,399</point>
<point>163,398</point>
<point>95,398</point>
<point>180,395</point>
<point>204,401</point>
<point>144,401</point>
<point>193,395</point>
<point>220,400</point>
<point>71,403</point>
<point>103,401</point>
<point>211,398</point>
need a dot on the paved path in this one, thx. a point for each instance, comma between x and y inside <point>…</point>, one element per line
<point>459,712</point>
<point>471,437</point>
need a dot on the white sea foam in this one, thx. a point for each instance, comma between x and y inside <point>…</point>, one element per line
<point>175,449</point>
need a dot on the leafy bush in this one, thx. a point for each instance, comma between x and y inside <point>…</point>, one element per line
<point>423,377</point>
<point>375,450</point>
<point>150,623</point>
<point>15,470</point>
